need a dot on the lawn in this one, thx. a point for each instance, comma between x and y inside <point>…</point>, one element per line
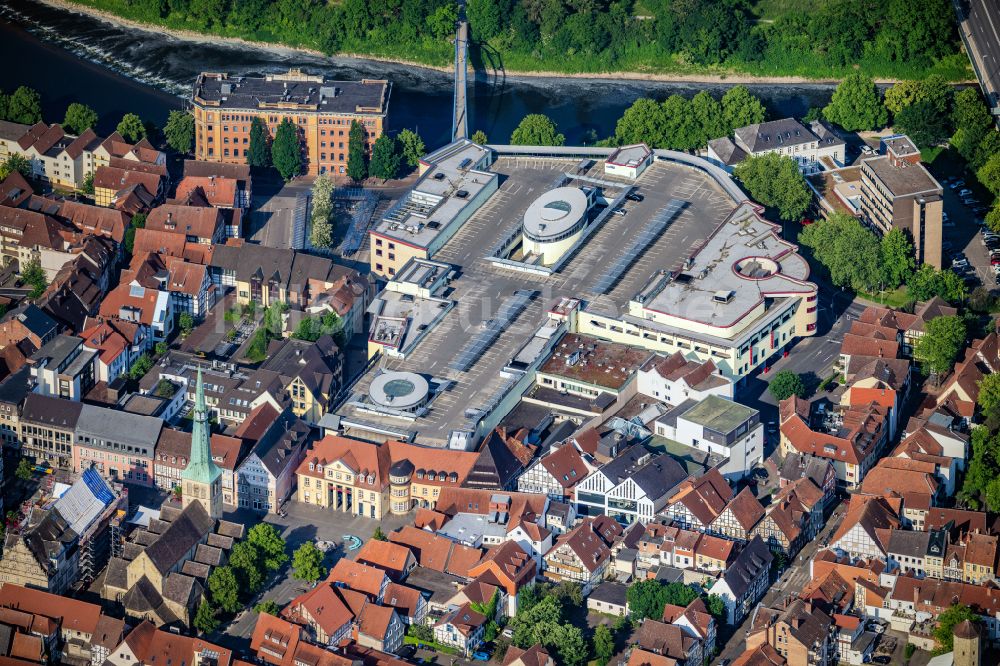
<point>895,298</point>
<point>433,645</point>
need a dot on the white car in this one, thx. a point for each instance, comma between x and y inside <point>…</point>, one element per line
<point>964,192</point>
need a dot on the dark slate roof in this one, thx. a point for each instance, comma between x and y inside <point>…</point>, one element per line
<point>208,555</point>
<point>57,350</point>
<point>753,561</point>
<point>181,589</point>
<point>287,267</point>
<point>496,466</point>
<point>15,388</point>
<point>727,150</point>
<point>34,319</point>
<point>234,530</point>
<point>278,447</point>
<point>117,573</point>
<point>610,593</point>
<point>190,528</point>
<point>774,134</point>
<point>55,412</point>
<point>220,541</point>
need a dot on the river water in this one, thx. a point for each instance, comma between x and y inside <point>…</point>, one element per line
<point>71,57</point>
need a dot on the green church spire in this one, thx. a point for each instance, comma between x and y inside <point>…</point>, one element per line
<point>201,468</point>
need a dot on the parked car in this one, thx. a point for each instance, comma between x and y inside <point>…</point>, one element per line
<point>479,655</point>
<point>620,212</point>
<point>964,192</point>
<point>634,196</point>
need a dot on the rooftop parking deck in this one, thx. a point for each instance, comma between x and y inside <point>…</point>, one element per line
<point>480,289</point>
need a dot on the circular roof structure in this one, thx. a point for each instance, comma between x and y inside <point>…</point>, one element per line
<point>399,390</point>
<point>555,213</point>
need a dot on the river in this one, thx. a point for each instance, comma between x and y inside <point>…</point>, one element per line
<point>71,57</point>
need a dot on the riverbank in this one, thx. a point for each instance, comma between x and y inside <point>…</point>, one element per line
<point>191,36</point>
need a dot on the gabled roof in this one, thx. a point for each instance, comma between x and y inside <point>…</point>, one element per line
<point>358,577</point>
<point>705,497</point>
<point>385,555</point>
<point>753,561</point>
<point>566,465</point>
<point>184,532</point>
<point>872,514</point>
<point>746,509</point>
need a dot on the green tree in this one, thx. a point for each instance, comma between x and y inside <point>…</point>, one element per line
<point>944,632</point>
<point>856,105</point>
<point>385,158</point>
<point>179,131</point>
<point>441,22</point>
<point>131,128</point>
<point>897,258</point>
<point>421,632</point>
<point>934,89</point>
<point>717,608</point>
<point>536,129</point>
<point>25,469</point>
<point>321,231</point>
<point>993,218</point>
<point>989,175</point>
<point>245,561</point>
<point>379,535</point>
<point>927,283</point>
<point>161,348</point>
<point>307,563</point>
<point>224,589</point>
<point>186,322</point>
<point>850,252</point>
<point>938,347</point>
<point>413,147</point>
<point>205,619</point>
<point>357,153</point>
<point>79,118</point>
<point>989,392</point>
<point>286,150</point>
<point>604,644</point>
<point>24,106</point>
<point>269,606</point>
<point>776,182</point>
<point>88,184</point>
<point>972,120</point>
<point>270,544</point>
<point>681,129</point>
<point>643,122</point>
<point>707,114</point>
<point>140,367</point>
<point>741,108</point>
<point>33,275</point>
<point>927,126</point>
<point>259,153</point>
<point>568,593</point>
<point>785,384</point>
<point>485,18</point>
<point>479,136</point>
<point>15,162</point>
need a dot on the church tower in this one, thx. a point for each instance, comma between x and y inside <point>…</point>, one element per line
<point>966,645</point>
<point>201,480</point>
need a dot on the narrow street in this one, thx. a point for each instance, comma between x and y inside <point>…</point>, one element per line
<point>789,583</point>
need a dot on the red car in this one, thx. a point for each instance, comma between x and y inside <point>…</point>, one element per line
<point>806,222</point>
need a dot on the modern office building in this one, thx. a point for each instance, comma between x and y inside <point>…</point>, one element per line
<point>897,192</point>
<point>224,107</point>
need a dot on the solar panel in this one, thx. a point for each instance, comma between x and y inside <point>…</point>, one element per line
<point>510,309</point>
<point>652,230</point>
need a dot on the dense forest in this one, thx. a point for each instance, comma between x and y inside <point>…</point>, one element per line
<point>884,38</point>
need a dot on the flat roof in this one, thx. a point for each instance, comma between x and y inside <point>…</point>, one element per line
<point>447,188</point>
<point>719,414</point>
<point>291,91</point>
<point>903,180</point>
<point>594,361</point>
<point>555,212</point>
<point>478,290</point>
<point>743,262</point>
<point>632,155</point>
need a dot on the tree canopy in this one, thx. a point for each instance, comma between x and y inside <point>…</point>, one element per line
<point>33,275</point>
<point>856,104</point>
<point>224,589</point>
<point>785,384</point>
<point>536,130</point>
<point>775,181</point>
<point>24,106</point>
<point>647,598</point>
<point>938,347</point>
<point>259,153</point>
<point>385,158</point>
<point>179,131</point>
<point>320,230</point>
<point>79,118</point>
<point>944,632</point>
<point>131,128</point>
<point>413,147</point>
<point>357,153</point>
<point>307,563</point>
<point>286,150</point>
